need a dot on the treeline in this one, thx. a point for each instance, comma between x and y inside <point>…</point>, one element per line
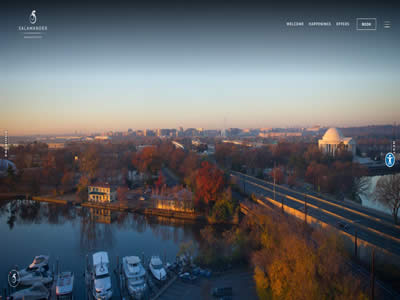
<point>290,260</point>
<point>209,184</point>
<point>42,170</point>
<point>296,163</point>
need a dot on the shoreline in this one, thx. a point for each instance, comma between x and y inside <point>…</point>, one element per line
<point>147,211</point>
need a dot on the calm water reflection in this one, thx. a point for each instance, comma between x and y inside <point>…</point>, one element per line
<point>30,228</point>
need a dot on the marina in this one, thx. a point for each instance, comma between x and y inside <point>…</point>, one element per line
<point>60,241</point>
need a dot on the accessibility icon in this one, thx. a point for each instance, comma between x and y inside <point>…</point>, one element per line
<point>389,159</point>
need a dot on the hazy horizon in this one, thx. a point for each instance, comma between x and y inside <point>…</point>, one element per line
<point>89,132</point>
<point>101,67</point>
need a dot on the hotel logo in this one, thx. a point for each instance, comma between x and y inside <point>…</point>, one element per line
<point>32,30</point>
<point>32,17</point>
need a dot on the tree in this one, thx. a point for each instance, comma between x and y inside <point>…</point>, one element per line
<point>209,183</point>
<point>292,179</point>
<point>67,181</point>
<point>89,163</point>
<point>223,209</point>
<point>315,173</point>
<point>160,181</point>
<point>11,179</point>
<point>277,174</point>
<point>82,189</point>
<point>313,153</point>
<point>148,160</point>
<point>121,194</point>
<point>387,192</point>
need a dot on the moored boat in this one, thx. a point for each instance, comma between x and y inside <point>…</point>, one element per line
<point>40,263</point>
<point>35,292</point>
<point>65,286</point>
<point>157,268</point>
<point>100,276</point>
<point>41,276</point>
<point>134,276</point>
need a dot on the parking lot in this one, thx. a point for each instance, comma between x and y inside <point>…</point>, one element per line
<point>241,281</point>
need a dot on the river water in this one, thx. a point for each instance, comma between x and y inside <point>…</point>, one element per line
<point>68,234</point>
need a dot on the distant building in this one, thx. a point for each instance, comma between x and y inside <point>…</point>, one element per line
<point>102,137</point>
<point>333,139</point>
<point>101,192</point>
<point>179,201</point>
<point>279,134</point>
<point>139,133</point>
<point>55,146</point>
<point>149,132</point>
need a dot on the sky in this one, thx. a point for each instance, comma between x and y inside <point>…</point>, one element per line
<point>164,64</point>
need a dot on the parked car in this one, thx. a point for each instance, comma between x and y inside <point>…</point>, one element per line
<point>342,225</point>
<point>187,277</point>
<point>222,292</point>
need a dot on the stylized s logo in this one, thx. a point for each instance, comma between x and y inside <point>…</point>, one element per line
<point>32,17</point>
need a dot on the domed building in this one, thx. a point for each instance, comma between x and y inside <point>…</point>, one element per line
<point>333,139</point>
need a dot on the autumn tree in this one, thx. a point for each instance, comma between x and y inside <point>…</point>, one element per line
<point>190,164</point>
<point>147,160</point>
<point>315,173</point>
<point>121,194</point>
<point>277,175</point>
<point>224,208</point>
<point>67,181</point>
<point>82,188</point>
<point>292,179</point>
<point>160,181</point>
<point>291,265</point>
<point>387,192</point>
<point>209,184</point>
<point>313,153</point>
<point>89,163</point>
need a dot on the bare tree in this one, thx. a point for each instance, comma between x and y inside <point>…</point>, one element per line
<point>387,192</point>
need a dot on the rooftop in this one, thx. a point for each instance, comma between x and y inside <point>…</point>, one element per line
<point>100,184</point>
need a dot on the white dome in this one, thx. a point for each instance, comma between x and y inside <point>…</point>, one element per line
<point>333,134</point>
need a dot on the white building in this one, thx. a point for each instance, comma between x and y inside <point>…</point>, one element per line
<point>333,139</point>
<point>101,192</point>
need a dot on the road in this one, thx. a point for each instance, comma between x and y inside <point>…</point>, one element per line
<point>370,226</point>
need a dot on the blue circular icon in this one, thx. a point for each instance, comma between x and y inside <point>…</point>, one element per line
<point>389,159</point>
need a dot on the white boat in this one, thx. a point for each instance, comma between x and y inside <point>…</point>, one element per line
<point>41,276</point>
<point>134,276</point>
<point>40,262</point>
<point>157,268</point>
<point>101,281</point>
<point>65,286</point>
<point>36,291</point>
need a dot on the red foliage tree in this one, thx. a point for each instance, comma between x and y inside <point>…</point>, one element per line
<point>277,174</point>
<point>147,161</point>
<point>209,183</point>
<point>160,181</point>
<point>121,194</point>
<point>315,173</point>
